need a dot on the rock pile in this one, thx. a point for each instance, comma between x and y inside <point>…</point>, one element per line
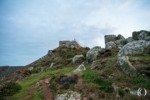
<point>141,35</point>
<point>92,54</point>
<point>70,95</point>
<point>138,44</point>
<point>113,41</point>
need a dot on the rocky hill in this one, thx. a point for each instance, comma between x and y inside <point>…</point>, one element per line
<point>120,71</point>
<point>7,70</point>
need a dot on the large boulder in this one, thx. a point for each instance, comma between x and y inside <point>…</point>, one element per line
<point>141,35</point>
<point>113,41</point>
<point>135,47</point>
<point>50,52</point>
<point>92,54</point>
<point>110,45</point>
<point>120,37</point>
<point>135,35</point>
<point>77,59</point>
<point>120,43</point>
<point>109,38</point>
<point>80,68</point>
<point>144,35</point>
<point>126,66</point>
<point>129,39</point>
<point>70,95</point>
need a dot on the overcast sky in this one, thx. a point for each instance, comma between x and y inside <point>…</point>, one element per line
<point>29,28</point>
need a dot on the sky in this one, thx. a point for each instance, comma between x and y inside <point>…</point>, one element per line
<point>29,28</point>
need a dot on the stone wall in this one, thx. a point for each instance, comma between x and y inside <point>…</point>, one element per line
<point>69,44</point>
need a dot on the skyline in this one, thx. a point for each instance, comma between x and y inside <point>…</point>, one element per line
<point>29,28</point>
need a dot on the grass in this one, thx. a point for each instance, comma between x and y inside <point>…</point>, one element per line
<point>29,81</point>
<point>144,61</point>
<point>38,95</point>
<point>141,81</point>
<point>140,57</point>
<point>71,52</point>
<point>92,77</point>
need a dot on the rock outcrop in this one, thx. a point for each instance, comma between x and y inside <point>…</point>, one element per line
<point>109,38</point>
<point>110,45</point>
<point>135,47</point>
<point>126,66</point>
<point>113,41</point>
<point>141,35</point>
<point>129,39</point>
<point>92,54</point>
<point>78,59</point>
<point>80,68</point>
<point>70,95</point>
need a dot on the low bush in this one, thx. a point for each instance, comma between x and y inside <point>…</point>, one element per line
<point>9,89</point>
<point>63,82</point>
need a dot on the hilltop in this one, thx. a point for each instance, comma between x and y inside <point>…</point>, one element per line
<point>73,72</point>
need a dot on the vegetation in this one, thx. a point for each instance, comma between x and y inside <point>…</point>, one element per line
<point>38,95</point>
<point>141,81</point>
<point>67,53</point>
<point>7,70</point>
<point>140,57</point>
<point>60,83</point>
<point>28,82</point>
<point>62,79</point>
<point>9,89</point>
<point>92,77</point>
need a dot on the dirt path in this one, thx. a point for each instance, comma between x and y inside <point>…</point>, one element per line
<point>47,92</point>
<point>29,94</point>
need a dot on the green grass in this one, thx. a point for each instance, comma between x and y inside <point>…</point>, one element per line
<point>28,82</point>
<point>92,77</point>
<point>67,53</point>
<point>140,57</point>
<point>141,81</point>
<point>38,95</point>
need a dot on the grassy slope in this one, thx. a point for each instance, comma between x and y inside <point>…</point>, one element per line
<point>28,82</point>
<point>90,76</point>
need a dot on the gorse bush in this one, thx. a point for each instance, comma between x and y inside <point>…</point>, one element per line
<point>9,89</point>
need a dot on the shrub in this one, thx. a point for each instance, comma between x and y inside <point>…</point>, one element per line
<point>63,82</point>
<point>9,89</point>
